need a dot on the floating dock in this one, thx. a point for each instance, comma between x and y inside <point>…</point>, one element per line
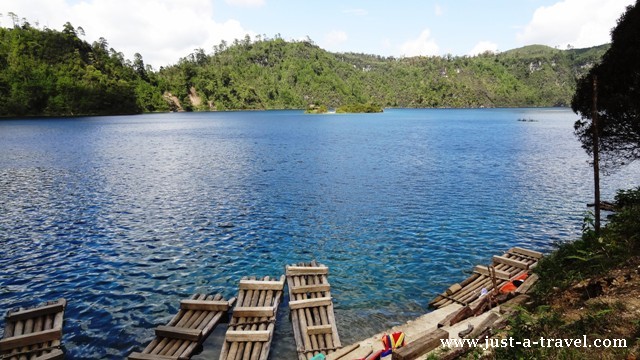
<point>34,333</point>
<point>312,317</point>
<point>515,262</point>
<point>195,320</point>
<point>251,327</point>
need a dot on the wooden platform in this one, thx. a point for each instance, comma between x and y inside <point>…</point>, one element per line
<point>513,263</point>
<point>312,317</point>
<point>34,333</point>
<point>251,327</point>
<point>195,320</point>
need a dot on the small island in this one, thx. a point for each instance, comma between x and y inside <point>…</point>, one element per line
<point>345,109</point>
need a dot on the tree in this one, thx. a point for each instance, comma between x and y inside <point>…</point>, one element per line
<point>618,91</point>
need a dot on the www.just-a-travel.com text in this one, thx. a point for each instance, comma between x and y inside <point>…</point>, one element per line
<point>540,342</point>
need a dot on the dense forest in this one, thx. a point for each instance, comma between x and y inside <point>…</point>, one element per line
<point>50,72</point>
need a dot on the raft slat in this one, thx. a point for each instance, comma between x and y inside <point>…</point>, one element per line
<point>511,262</point>
<point>35,312</point>
<point>260,285</point>
<point>319,329</point>
<point>527,252</point>
<point>141,356</point>
<point>482,270</point>
<point>245,335</point>
<point>206,305</point>
<point>29,339</point>
<point>256,311</point>
<point>310,288</point>
<point>309,303</point>
<point>307,270</point>
<point>179,333</point>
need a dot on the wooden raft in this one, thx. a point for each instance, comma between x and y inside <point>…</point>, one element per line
<point>252,325</point>
<point>314,324</point>
<point>513,263</point>
<point>195,320</point>
<point>34,333</point>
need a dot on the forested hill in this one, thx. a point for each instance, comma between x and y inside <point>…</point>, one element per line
<point>274,73</point>
<point>49,72</point>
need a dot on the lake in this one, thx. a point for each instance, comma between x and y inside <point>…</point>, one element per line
<point>124,216</point>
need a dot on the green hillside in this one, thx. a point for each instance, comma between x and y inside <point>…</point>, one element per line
<point>49,72</point>
<point>275,74</point>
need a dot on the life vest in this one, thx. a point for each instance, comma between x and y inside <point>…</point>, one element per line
<point>391,342</point>
<point>513,284</point>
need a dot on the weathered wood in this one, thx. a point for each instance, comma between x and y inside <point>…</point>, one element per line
<point>484,324</point>
<point>29,339</point>
<point>482,270</point>
<point>254,311</point>
<point>425,342</point>
<point>308,303</point>
<point>527,284</point>
<point>261,285</point>
<point>204,305</point>
<point>527,252</point>
<point>456,316</point>
<point>310,288</point>
<point>174,332</point>
<point>341,353</point>
<point>453,289</point>
<point>141,356</point>
<point>55,354</point>
<point>307,270</point>
<point>24,314</point>
<point>319,329</point>
<point>510,262</point>
<point>247,335</point>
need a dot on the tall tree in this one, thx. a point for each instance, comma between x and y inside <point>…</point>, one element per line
<point>618,100</point>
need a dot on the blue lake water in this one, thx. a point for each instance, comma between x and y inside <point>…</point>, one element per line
<point>125,216</point>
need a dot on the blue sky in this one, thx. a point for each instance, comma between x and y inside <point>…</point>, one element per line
<point>163,30</point>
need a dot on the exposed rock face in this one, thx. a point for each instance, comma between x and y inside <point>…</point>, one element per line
<point>173,101</point>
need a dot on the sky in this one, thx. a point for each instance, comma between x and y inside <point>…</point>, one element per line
<point>163,31</point>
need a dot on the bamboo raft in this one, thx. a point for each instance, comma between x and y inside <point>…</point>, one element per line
<point>34,333</point>
<point>193,323</point>
<point>513,263</point>
<point>252,325</point>
<point>312,317</point>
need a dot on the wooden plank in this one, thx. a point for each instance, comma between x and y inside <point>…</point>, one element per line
<point>453,289</point>
<point>253,311</point>
<point>341,353</point>
<point>527,252</point>
<point>36,312</point>
<point>55,354</point>
<point>527,284</point>
<point>180,333</point>
<point>426,342</point>
<point>308,303</point>
<point>310,288</point>
<point>141,356</point>
<point>513,304</point>
<point>456,316</point>
<point>261,285</point>
<point>204,305</point>
<point>511,262</point>
<point>307,270</point>
<point>482,270</point>
<point>319,329</point>
<point>248,335</point>
<point>30,339</point>
<point>484,325</point>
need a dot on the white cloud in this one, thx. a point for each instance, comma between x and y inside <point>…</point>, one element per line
<point>246,3</point>
<point>439,11</point>
<point>335,37</point>
<point>423,45</point>
<point>161,30</point>
<point>580,23</point>
<point>482,47</point>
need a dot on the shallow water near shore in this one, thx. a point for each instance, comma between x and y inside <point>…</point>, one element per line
<point>124,216</point>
